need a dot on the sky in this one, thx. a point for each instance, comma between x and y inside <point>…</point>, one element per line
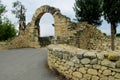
<point>46,28</point>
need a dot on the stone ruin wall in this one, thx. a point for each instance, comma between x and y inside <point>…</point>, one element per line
<point>81,35</point>
<point>30,36</point>
<point>80,64</point>
<point>85,36</point>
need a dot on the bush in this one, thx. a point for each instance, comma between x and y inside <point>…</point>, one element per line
<point>7,30</point>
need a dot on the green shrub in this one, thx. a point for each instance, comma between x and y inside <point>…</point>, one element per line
<point>7,30</point>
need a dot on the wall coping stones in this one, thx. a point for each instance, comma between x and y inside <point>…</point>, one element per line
<point>81,53</point>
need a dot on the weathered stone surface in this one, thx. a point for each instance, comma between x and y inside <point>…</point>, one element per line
<point>92,71</point>
<point>83,70</point>
<point>90,55</point>
<point>87,76</point>
<point>80,54</point>
<point>83,79</point>
<point>95,78</point>
<point>75,68</point>
<point>96,66</point>
<point>103,67</point>
<point>100,56</point>
<point>113,57</point>
<point>65,56</point>
<point>60,55</point>
<point>70,63</point>
<point>107,72</point>
<point>111,78</point>
<point>118,64</point>
<point>117,75</point>
<point>94,61</point>
<point>85,61</point>
<point>77,74</point>
<point>75,60</point>
<point>108,63</point>
<point>104,78</point>
<point>88,66</point>
<point>116,70</point>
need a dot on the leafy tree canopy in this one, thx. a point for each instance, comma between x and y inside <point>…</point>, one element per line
<point>111,10</point>
<point>7,29</point>
<point>18,9</point>
<point>89,11</point>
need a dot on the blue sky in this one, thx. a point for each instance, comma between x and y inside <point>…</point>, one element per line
<point>66,7</point>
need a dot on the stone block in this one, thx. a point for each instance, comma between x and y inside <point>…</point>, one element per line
<point>85,61</point>
<point>96,66</point>
<point>95,78</point>
<point>103,68</point>
<point>92,71</point>
<point>104,78</point>
<point>75,60</point>
<point>107,72</point>
<point>100,56</point>
<point>77,75</point>
<point>87,76</point>
<point>111,78</point>
<point>70,63</point>
<point>113,57</point>
<point>117,75</point>
<point>118,64</point>
<point>83,70</point>
<point>94,61</point>
<point>108,63</point>
<point>90,55</point>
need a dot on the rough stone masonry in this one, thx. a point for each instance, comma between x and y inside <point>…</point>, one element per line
<point>81,35</point>
<point>80,64</point>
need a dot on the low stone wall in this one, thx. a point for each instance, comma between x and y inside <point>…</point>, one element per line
<point>79,64</point>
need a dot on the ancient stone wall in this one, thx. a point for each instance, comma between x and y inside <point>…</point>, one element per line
<point>79,64</point>
<point>88,37</point>
<point>29,37</point>
<point>32,30</point>
<point>81,35</point>
<point>60,24</point>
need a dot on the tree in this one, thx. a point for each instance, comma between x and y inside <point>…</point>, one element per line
<point>111,10</point>
<point>7,30</point>
<point>19,11</point>
<point>89,11</point>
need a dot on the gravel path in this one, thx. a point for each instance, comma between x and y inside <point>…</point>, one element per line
<point>25,64</point>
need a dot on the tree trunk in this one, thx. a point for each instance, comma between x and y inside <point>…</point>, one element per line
<point>113,32</point>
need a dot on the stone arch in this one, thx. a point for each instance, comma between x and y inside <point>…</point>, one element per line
<point>61,22</point>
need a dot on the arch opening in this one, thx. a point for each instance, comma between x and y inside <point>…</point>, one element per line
<point>46,29</point>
